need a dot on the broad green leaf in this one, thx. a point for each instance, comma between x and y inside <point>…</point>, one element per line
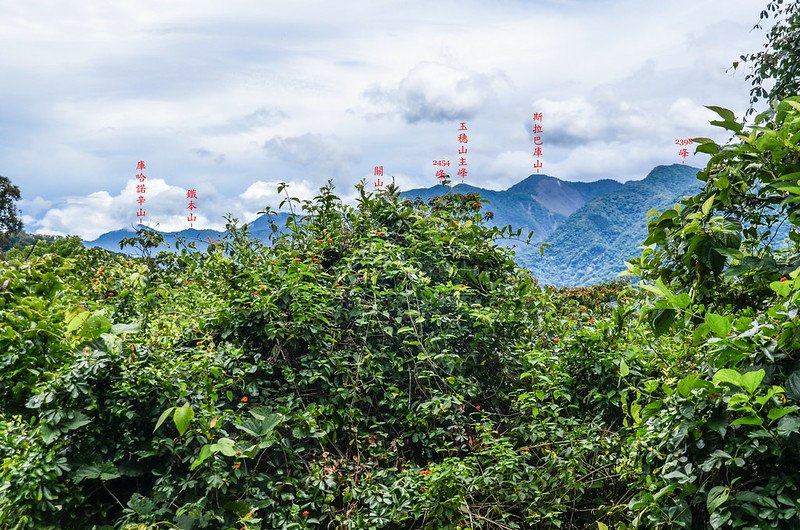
<point>77,321</point>
<point>79,419</point>
<point>96,324</point>
<point>748,420</point>
<point>707,204</point>
<point>238,507</point>
<point>689,383</point>
<point>49,434</point>
<point>776,413</point>
<point>782,289</point>
<point>737,399</point>
<point>601,526</point>
<point>718,324</point>
<point>624,370</point>
<point>682,300</point>
<point>224,446</point>
<point>119,329</point>
<point>183,417</point>
<point>262,425</point>
<point>751,380</point>
<point>649,288</point>
<point>163,417</point>
<point>726,375</point>
<point>710,149</point>
<point>788,425</point>
<point>793,385</point>
<point>205,452</point>
<point>724,113</point>
<point>104,471</point>
<point>718,519</point>
<point>716,498</point>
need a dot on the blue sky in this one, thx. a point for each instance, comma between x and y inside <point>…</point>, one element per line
<point>232,98</point>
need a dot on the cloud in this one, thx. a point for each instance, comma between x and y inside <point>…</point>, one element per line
<point>575,121</point>
<point>219,98</point>
<point>92,215</point>
<point>311,149</point>
<point>435,92</point>
<point>686,115</point>
<point>261,117</point>
<point>202,152</point>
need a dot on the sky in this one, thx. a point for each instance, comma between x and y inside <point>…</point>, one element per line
<point>231,98</point>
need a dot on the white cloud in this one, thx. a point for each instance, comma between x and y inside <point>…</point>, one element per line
<point>328,152</point>
<point>199,89</point>
<point>166,206</point>
<point>436,92</point>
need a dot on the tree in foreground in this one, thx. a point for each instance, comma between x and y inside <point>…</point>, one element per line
<point>9,218</point>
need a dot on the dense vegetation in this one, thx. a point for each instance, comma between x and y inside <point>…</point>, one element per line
<point>388,365</point>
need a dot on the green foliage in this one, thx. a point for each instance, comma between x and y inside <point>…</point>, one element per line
<point>379,366</point>
<point>775,71</point>
<point>722,450</point>
<point>389,366</point>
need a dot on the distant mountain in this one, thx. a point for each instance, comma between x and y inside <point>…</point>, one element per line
<point>259,229</point>
<point>539,203</point>
<point>593,243</point>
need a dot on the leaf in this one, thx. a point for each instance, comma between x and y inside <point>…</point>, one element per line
<point>224,446</point>
<point>776,413</point>
<point>238,507</point>
<point>710,149</point>
<point>738,399</point>
<point>793,386</point>
<point>79,419</point>
<point>183,417</point>
<point>104,471</point>
<point>119,329</point>
<point>623,368</point>
<point>748,420</point>
<point>781,288</point>
<point>96,324</point>
<point>716,498</point>
<point>707,204</point>
<point>689,383</point>
<point>718,324</point>
<point>751,380</point>
<point>49,434</point>
<point>724,113</point>
<point>261,426</point>
<point>682,300</point>
<point>788,425</point>
<point>601,526</point>
<point>77,321</point>
<point>662,321</point>
<point>162,418</point>
<point>728,119</point>
<point>718,519</point>
<point>205,452</point>
<point>650,288</point>
<point>726,375</point>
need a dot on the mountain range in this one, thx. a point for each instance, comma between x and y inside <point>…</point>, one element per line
<point>591,227</point>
